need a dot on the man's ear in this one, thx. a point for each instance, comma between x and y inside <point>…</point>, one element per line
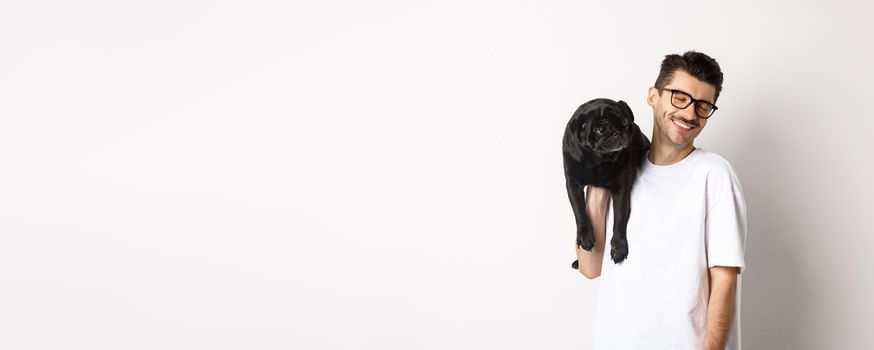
<point>625,109</point>
<point>652,95</point>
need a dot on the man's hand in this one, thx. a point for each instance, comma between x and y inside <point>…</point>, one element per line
<point>720,310</point>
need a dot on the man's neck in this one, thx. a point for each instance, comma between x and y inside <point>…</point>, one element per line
<point>667,154</point>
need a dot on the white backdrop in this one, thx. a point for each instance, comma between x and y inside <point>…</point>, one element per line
<point>387,175</point>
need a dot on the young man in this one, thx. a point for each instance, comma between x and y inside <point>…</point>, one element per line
<point>678,287</point>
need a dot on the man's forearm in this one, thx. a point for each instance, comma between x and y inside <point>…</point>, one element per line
<point>720,309</point>
<point>597,200</point>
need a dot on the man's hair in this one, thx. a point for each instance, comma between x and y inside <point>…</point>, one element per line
<point>697,64</point>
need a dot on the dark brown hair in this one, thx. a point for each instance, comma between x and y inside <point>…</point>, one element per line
<point>697,64</point>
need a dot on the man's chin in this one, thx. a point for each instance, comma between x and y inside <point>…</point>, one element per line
<point>684,137</point>
<point>684,144</point>
<point>681,141</point>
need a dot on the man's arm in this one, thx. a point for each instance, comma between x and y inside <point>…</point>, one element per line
<point>720,309</point>
<point>597,201</point>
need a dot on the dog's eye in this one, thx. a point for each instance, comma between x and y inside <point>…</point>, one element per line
<point>600,130</point>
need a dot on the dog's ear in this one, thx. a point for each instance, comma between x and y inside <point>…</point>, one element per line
<point>585,133</point>
<point>571,144</point>
<point>575,137</point>
<point>625,109</point>
<point>577,130</point>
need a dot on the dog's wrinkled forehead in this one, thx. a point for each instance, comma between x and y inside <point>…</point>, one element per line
<point>601,108</point>
<point>594,105</point>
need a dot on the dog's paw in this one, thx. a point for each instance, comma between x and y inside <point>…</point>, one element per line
<point>587,241</point>
<point>618,250</point>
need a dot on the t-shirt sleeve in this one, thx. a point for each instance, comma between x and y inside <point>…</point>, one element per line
<point>726,220</point>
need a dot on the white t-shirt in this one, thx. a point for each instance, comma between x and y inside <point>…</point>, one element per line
<point>685,218</point>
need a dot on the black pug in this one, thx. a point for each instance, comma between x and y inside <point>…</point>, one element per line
<point>602,146</point>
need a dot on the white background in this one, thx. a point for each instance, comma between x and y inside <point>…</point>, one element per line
<point>387,175</point>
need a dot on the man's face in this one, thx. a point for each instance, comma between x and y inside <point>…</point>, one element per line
<point>669,120</point>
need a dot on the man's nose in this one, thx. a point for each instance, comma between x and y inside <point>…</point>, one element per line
<point>688,113</point>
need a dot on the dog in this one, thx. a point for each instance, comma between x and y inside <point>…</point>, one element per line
<point>603,147</point>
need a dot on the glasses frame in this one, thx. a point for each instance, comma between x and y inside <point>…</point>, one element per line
<point>691,101</point>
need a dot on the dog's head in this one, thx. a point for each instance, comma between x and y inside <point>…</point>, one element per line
<point>603,125</point>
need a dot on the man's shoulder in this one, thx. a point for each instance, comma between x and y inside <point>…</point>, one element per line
<point>720,175</point>
<point>715,163</point>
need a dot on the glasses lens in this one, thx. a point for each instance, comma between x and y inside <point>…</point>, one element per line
<point>680,99</point>
<point>703,108</point>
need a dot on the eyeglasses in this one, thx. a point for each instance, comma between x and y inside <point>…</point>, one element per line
<point>682,100</point>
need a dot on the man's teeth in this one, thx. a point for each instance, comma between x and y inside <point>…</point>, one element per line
<point>682,125</point>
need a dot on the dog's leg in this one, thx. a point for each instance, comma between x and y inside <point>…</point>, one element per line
<point>622,211</point>
<point>585,236</point>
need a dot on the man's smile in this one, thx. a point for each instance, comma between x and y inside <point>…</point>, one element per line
<point>685,127</point>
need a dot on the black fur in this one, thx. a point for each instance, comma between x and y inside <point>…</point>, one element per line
<point>602,146</point>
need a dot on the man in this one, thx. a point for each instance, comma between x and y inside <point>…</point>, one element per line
<point>678,287</point>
